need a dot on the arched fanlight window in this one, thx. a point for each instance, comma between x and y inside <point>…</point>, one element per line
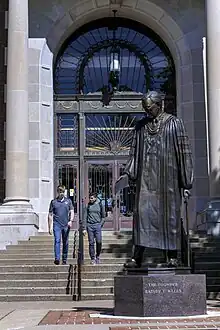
<point>114,48</point>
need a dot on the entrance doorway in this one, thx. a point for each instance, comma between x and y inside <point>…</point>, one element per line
<point>100,76</point>
<point>105,151</point>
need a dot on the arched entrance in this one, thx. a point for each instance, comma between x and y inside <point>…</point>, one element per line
<point>92,141</point>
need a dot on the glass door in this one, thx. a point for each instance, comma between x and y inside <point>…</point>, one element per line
<point>124,203</point>
<point>100,178</point>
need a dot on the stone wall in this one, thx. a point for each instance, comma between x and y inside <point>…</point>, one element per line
<point>40,128</point>
<point>3,45</point>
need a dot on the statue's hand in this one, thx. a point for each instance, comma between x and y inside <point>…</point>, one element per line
<point>121,177</point>
<point>186,194</point>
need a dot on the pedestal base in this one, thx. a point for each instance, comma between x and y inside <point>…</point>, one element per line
<point>160,295</point>
<point>17,222</point>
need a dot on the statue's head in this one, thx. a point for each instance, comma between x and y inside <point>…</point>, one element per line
<point>152,103</point>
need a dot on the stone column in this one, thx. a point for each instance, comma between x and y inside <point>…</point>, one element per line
<point>17,218</point>
<point>213,92</point>
<point>17,129</point>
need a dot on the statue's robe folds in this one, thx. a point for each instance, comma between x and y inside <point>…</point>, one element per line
<point>161,166</point>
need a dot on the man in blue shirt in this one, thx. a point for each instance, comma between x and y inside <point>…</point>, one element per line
<point>61,215</point>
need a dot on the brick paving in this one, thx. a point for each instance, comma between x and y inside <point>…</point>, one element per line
<point>82,316</point>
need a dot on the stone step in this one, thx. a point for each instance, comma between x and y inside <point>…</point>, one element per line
<point>208,272</point>
<point>33,297</point>
<point>105,236</point>
<point>207,250</point>
<point>207,244</point>
<point>32,283</point>
<point>50,255</point>
<point>86,276</point>
<point>213,288</point>
<point>53,297</point>
<point>32,249</point>
<point>205,265</point>
<point>40,260</point>
<point>22,276</point>
<point>97,296</point>
<point>213,295</point>
<point>33,268</point>
<point>213,281</point>
<point>206,257</point>
<point>32,261</point>
<point>60,268</point>
<point>100,268</point>
<point>71,242</point>
<point>53,290</point>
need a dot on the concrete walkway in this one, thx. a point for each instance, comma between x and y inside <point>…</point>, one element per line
<point>27,316</point>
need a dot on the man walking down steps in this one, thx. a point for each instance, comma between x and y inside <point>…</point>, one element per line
<point>61,215</point>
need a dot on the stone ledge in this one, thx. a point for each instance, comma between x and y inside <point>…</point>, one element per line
<point>17,223</point>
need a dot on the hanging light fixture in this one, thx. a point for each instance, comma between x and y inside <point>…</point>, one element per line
<point>114,59</point>
<point>114,68</point>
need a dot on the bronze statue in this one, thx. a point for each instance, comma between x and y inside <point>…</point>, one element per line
<point>160,165</point>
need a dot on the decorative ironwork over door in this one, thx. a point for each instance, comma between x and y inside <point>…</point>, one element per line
<point>110,134</point>
<point>116,51</point>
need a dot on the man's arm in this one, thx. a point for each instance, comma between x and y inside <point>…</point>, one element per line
<point>50,218</point>
<point>103,214</point>
<point>71,213</point>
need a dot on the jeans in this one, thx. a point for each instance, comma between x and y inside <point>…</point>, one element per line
<point>59,231</point>
<point>94,233</point>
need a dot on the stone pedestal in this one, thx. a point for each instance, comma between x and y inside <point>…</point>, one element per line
<point>159,295</point>
<point>17,222</point>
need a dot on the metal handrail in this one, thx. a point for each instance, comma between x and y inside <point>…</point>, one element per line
<point>204,219</point>
<point>80,261</point>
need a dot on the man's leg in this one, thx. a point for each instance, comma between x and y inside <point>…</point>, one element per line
<point>138,254</point>
<point>65,239</point>
<point>173,260</point>
<point>98,238</point>
<point>137,257</point>
<point>57,238</point>
<point>90,231</point>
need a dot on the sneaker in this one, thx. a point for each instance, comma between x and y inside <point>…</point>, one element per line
<point>56,262</point>
<point>64,262</point>
<point>97,261</point>
<point>93,262</point>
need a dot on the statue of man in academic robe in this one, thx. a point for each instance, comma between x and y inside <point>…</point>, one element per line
<point>160,165</point>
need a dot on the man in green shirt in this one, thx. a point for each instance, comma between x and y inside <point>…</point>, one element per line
<point>94,220</point>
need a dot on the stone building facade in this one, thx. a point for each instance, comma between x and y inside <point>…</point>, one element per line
<point>183,26</point>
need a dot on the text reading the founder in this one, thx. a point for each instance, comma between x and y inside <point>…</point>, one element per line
<point>155,288</point>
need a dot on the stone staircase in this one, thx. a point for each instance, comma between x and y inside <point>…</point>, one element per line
<point>206,255</point>
<point>27,272</point>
